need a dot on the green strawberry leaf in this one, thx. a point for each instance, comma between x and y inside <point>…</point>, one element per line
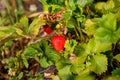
<point>99,63</point>
<point>20,75</point>
<point>35,25</point>
<point>67,15</point>
<point>117,57</point>
<point>95,46</point>
<point>13,79</point>
<point>90,27</point>
<point>5,31</point>
<point>72,5</point>
<point>103,7</point>
<point>106,36</point>
<point>80,49</point>
<point>70,24</point>
<point>40,46</point>
<point>110,4</point>
<point>65,70</point>
<point>44,2</point>
<point>81,55</point>
<point>37,46</point>
<point>69,46</point>
<point>55,77</point>
<point>52,55</point>
<point>68,77</point>
<point>85,77</point>
<point>108,21</point>
<point>30,52</point>
<point>43,62</point>
<point>80,60</point>
<point>25,62</point>
<point>102,47</point>
<point>8,33</point>
<point>116,72</point>
<point>62,63</point>
<point>111,78</point>
<point>117,32</point>
<point>24,21</point>
<point>9,44</point>
<point>65,73</point>
<point>83,3</point>
<point>44,45</point>
<point>77,68</point>
<point>90,46</point>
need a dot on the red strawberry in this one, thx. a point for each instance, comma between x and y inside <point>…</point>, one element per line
<point>58,42</point>
<point>47,29</point>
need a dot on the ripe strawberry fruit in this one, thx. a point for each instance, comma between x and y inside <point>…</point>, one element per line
<point>58,42</point>
<point>47,29</point>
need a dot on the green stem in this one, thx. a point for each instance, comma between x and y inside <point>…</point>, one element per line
<point>16,15</point>
<point>80,31</point>
<point>76,32</point>
<point>9,11</point>
<point>20,4</point>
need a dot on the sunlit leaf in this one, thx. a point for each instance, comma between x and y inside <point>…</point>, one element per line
<point>65,70</point>
<point>110,4</point>
<point>90,27</point>
<point>19,32</point>
<point>102,47</point>
<point>108,21</point>
<point>7,33</point>
<point>85,77</point>
<point>99,63</point>
<point>55,78</point>
<point>106,36</point>
<point>24,21</point>
<point>83,3</point>
<point>77,68</point>
<point>111,78</point>
<point>35,25</point>
<point>72,5</point>
<point>100,5</point>
<point>67,15</point>
<point>105,6</point>
<point>70,24</point>
<point>90,46</point>
<point>65,73</point>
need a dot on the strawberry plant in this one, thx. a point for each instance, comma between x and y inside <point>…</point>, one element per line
<point>69,40</point>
